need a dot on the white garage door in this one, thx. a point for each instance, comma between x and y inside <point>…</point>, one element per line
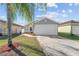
<point>75,30</point>
<point>45,29</point>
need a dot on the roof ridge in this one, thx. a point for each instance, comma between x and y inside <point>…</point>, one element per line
<point>13,22</point>
<point>70,21</point>
<point>45,18</point>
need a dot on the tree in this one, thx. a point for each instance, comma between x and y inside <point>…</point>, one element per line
<point>24,11</point>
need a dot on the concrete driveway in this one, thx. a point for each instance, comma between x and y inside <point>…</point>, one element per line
<point>57,46</point>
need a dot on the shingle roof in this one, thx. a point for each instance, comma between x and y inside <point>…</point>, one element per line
<point>13,23</point>
<point>2,21</point>
<point>45,21</point>
<point>71,21</point>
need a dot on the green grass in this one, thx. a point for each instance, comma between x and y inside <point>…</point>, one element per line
<point>3,40</point>
<point>67,35</point>
<point>29,46</point>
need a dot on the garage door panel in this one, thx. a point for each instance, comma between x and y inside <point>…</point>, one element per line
<point>75,30</point>
<point>45,29</point>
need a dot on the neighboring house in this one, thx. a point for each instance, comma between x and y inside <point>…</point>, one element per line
<point>44,26</point>
<point>69,27</point>
<point>4,29</point>
<point>17,28</point>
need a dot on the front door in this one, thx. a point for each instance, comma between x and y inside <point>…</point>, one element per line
<point>0,32</point>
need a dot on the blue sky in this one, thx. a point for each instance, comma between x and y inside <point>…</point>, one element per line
<point>59,12</point>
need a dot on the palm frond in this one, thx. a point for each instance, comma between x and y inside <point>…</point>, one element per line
<point>24,11</point>
<point>32,9</point>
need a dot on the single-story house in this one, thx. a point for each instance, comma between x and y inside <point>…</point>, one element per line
<point>17,28</point>
<point>69,27</point>
<point>44,26</point>
<point>4,28</point>
<point>28,28</point>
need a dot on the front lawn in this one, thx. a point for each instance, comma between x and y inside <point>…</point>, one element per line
<point>3,40</point>
<point>29,45</point>
<point>67,35</point>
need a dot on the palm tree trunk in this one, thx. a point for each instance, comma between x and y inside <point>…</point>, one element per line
<point>9,25</point>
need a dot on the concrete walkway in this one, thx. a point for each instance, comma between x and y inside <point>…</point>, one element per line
<point>56,46</point>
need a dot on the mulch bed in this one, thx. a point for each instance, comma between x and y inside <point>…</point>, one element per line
<point>5,47</point>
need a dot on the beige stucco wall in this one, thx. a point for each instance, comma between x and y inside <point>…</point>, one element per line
<point>27,28</point>
<point>75,30</point>
<point>15,28</point>
<point>3,26</point>
<point>64,29</point>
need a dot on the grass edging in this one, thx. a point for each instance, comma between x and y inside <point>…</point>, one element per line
<point>69,36</point>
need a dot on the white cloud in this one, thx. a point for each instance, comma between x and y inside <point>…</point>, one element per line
<point>64,15</point>
<point>52,14</point>
<point>38,16</point>
<point>70,11</point>
<point>3,17</point>
<point>70,4</point>
<point>49,15</point>
<point>63,11</point>
<point>76,4</point>
<point>40,9</point>
<point>52,5</point>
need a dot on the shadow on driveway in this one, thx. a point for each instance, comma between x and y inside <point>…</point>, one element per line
<point>36,49</point>
<point>17,51</point>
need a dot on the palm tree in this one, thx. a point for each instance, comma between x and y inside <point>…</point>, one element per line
<point>23,10</point>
